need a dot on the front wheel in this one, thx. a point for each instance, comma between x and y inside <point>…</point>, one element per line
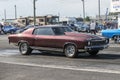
<point>116,39</point>
<point>94,52</point>
<point>24,49</point>
<point>12,32</point>
<point>70,51</point>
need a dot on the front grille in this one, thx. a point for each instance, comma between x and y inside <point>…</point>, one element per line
<point>98,42</point>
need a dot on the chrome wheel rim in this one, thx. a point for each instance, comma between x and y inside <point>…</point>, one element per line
<point>117,39</point>
<point>70,50</point>
<point>23,48</point>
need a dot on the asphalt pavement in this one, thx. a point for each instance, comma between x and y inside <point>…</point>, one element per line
<point>55,66</point>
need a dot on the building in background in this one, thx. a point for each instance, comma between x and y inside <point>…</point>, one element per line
<point>40,20</point>
<point>115,6</point>
<point>68,20</point>
<point>115,9</point>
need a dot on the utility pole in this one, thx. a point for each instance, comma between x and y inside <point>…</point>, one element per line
<point>34,11</point>
<point>106,14</point>
<point>83,9</point>
<point>15,12</point>
<point>99,9</point>
<point>59,17</point>
<point>5,15</point>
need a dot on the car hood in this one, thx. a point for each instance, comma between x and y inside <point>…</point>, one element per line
<point>83,35</point>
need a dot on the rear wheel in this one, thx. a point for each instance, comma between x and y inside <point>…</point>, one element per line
<point>24,49</point>
<point>94,52</point>
<point>70,51</point>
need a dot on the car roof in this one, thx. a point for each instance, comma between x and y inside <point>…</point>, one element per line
<point>51,26</point>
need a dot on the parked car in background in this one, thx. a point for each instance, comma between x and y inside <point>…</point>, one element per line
<point>85,28</point>
<point>73,27</point>
<point>112,33</point>
<point>58,38</point>
<point>78,27</point>
<point>100,27</point>
<point>82,27</point>
<point>9,29</point>
<point>25,28</point>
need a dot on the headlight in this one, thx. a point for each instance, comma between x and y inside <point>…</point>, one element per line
<point>89,43</point>
<point>107,41</point>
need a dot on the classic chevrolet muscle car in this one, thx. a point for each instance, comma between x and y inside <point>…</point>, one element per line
<point>58,38</point>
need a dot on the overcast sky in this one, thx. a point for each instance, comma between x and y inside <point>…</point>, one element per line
<point>66,8</point>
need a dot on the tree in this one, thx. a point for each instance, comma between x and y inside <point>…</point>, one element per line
<point>87,18</point>
<point>79,19</point>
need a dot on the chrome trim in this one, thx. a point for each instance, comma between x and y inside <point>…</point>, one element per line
<point>87,48</point>
<point>13,44</point>
<point>99,47</point>
<point>102,39</point>
<point>98,40</point>
<point>81,50</point>
<point>47,49</point>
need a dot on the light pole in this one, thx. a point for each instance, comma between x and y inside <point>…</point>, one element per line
<point>34,11</point>
<point>99,10</point>
<point>106,14</point>
<point>15,12</point>
<point>83,9</point>
<point>5,15</point>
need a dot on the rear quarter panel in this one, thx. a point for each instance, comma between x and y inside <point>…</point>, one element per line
<point>25,36</point>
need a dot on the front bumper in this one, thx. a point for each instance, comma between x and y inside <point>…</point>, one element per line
<point>100,47</point>
<point>89,48</point>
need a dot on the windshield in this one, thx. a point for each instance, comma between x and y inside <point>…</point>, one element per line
<point>61,30</point>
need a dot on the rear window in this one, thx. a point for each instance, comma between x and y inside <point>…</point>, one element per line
<point>43,31</point>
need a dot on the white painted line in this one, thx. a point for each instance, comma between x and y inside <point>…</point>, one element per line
<point>65,67</point>
<point>114,46</point>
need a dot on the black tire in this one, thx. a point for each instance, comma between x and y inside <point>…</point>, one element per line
<point>116,39</point>
<point>70,51</point>
<point>24,49</point>
<point>94,52</point>
<point>12,32</point>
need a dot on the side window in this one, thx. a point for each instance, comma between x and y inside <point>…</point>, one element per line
<point>61,30</point>
<point>43,31</point>
<point>35,31</point>
<point>58,31</point>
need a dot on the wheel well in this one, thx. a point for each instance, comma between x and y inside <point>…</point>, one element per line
<point>70,44</point>
<point>22,42</point>
<point>19,43</point>
<point>114,36</point>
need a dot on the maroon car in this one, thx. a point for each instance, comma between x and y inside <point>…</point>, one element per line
<point>57,38</point>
